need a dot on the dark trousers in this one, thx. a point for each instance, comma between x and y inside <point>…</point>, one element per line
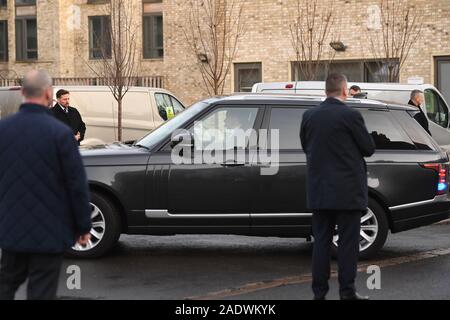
<point>41,270</point>
<point>324,223</point>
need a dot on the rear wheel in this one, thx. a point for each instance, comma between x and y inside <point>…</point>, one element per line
<point>373,233</point>
<point>105,232</point>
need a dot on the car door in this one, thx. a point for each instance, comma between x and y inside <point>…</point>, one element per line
<point>280,198</point>
<point>203,192</point>
<point>437,110</point>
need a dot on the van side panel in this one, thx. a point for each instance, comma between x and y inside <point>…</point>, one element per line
<point>137,115</point>
<point>99,112</point>
<point>10,101</point>
<point>96,109</point>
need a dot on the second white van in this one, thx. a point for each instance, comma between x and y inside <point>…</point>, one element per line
<point>435,107</point>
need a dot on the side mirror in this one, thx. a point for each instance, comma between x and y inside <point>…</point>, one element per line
<point>183,139</point>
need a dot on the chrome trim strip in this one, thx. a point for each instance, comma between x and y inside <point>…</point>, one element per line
<point>164,214</point>
<point>440,198</point>
<point>280,215</point>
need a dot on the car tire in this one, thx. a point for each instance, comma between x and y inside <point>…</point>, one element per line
<point>375,218</point>
<point>105,232</point>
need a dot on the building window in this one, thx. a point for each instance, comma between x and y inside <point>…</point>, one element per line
<point>153,35</point>
<point>356,71</point>
<point>26,39</point>
<point>246,75</point>
<point>442,75</point>
<point>25,3</point>
<point>3,3</point>
<point>97,1</point>
<point>3,40</point>
<point>99,37</point>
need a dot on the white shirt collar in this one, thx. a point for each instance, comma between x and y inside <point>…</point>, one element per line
<point>64,109</point>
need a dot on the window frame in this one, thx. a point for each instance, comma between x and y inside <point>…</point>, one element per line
<point>149,37</point>
<point>23,56</point>
<point>364,70</point>
<point>238,66</point>
<point>4,55</point>
<point>103,30</point>
<point>18,4</point>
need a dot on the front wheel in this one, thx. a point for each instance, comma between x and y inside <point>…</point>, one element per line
<point>373,233</point>
<point>105,232</point>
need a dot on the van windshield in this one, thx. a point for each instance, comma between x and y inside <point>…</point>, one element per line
<point>165,130</point>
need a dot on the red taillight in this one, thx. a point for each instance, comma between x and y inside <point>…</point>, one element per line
<point>442,171</point>
<point>289,86</point>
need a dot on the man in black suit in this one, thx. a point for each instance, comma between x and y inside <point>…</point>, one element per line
<point>69,115</point>
<point>417,100</point>
<point>336,141</point>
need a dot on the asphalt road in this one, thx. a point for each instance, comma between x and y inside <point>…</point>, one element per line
<point>414,265</point>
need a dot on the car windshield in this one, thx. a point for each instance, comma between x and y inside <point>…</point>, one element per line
<point>166,129</point>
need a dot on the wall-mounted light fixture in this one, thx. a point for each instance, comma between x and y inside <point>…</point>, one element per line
<point>338,46</point>
<point>202,57</point>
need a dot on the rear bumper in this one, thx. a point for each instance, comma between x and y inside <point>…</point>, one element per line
<point>418,214</point>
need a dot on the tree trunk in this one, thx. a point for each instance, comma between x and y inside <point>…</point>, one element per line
<point>119,120</point>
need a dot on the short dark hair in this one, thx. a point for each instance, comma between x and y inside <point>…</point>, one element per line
<point>61,93</point>
<point>355,88</point>
<point>334,84</point>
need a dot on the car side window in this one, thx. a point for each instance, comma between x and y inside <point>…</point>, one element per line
<point>177,106</point>
<point>165,106</point>
<point>418,135</point>
<point>225,128</point>
<point>287,121</point>
<point>437,111</point>
<point>385,131</point>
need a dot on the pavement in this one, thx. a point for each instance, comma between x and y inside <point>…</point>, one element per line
<point>413,265</point>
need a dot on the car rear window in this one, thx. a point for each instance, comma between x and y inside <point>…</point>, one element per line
<point>386,131</point>
<point>418,135</point>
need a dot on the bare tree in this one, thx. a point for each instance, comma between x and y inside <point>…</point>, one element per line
<point>118,63</point>
<point>396,29</point>
<point>310,31</point>
<point>212,31</point>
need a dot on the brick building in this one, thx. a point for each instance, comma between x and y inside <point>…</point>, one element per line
<point>57,35</point>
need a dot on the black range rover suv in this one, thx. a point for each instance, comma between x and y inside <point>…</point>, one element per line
<point>139,189</point>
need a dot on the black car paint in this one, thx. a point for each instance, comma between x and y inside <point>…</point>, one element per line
<point>237,200</point>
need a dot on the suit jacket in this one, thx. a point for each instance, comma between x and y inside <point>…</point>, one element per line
<point>72,119</point>
<point>44,197</point>
<point>421,118</point>
<point>335,140</point>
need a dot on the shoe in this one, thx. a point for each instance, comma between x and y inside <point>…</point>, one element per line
<point>356,296</point>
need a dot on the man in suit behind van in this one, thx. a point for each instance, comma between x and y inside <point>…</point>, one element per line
<point>69,115</point>
<point>336,140</point>
<point>417,100</point>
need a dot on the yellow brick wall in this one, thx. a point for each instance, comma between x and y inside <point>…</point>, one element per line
<point>64,50</point>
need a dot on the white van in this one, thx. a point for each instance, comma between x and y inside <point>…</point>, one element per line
<point>436,108</point>
<point>143,110</point>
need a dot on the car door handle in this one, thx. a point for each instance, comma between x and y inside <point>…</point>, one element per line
<point>232,164</point>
